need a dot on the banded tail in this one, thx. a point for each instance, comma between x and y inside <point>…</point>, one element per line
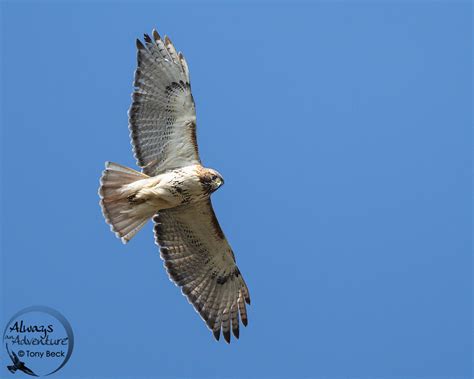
<point>116,200</point>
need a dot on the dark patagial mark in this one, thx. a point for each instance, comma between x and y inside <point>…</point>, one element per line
<point>192,129</point>
<point>216,226</point>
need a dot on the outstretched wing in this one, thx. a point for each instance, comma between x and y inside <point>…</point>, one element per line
<point>13,356</point>
<point>198,258</point>
<point>162,117</point>
<point>28,371</point>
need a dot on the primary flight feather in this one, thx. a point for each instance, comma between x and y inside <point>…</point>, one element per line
<point>174,190</point>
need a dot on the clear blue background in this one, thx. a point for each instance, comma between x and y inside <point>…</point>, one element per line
<point>343,131</point>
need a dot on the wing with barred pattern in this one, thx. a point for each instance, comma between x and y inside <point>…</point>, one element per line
<point>162,117</point>
<point>198,259</point>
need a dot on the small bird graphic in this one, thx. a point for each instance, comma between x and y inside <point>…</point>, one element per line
<point>17,364</point>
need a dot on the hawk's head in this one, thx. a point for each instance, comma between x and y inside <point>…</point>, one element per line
<point>211,180</point>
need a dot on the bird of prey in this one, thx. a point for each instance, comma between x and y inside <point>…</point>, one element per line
<point>174,189</point>
<point>17,364</point>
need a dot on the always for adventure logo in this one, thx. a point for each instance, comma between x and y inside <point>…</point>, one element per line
<point>38,341</point>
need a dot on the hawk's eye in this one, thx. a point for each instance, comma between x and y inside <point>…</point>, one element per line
<point>214,177</point>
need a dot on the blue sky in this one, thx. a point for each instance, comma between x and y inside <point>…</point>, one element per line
<point>343,132</point>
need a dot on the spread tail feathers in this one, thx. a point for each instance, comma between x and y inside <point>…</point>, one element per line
<point>116,202</point>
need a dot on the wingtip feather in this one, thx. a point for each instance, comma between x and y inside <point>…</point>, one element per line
<point>236,332</point>
<point>227,336</point>
<point>140,45</point>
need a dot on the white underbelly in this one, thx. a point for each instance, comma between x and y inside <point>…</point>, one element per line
<point>170,190</point>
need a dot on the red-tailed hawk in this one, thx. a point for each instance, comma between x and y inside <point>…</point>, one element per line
<point>174,189</point>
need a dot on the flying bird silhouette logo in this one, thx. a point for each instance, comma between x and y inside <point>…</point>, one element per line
<point>17,364</point>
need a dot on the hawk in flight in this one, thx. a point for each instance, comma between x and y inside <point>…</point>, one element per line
<point>174,189</point>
